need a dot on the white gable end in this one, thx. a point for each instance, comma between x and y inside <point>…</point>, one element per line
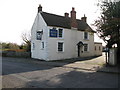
<point>39,24</point>
<point>36,45</point>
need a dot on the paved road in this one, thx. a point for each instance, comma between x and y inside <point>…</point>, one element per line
<point>18,74</point>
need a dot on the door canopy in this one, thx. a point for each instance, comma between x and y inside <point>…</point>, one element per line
<point>80,43</point>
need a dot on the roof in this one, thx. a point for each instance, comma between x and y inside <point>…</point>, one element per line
<point>62,21</point>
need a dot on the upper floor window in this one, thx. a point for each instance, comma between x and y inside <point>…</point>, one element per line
<point>39,35</point>
<point>60,33</point>
<point>86,35</point>
<point>85,47</point>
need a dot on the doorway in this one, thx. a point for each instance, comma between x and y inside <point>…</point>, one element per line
<point>79,45</point>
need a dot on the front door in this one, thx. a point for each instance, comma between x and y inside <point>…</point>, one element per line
<point>78,50</point>
<point>79,45</point>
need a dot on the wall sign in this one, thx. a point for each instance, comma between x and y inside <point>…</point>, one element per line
<point>53,33</point>
<point>39,35</point>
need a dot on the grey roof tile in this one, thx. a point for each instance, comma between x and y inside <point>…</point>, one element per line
<point>64,22</point>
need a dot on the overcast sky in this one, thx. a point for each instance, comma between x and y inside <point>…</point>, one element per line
<point>17,16</point>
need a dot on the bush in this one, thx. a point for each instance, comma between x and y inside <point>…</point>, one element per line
<point>15,53</point>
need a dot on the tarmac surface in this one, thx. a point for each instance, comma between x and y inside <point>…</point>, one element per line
<point>30,73</point>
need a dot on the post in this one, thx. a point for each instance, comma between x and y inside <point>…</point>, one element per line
<point>106,57</point>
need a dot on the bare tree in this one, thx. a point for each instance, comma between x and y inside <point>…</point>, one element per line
<point>26,37</point>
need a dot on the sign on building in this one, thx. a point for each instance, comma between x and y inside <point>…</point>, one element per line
<point>53,33</point>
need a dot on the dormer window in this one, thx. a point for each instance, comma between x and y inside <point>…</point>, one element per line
<point>39,35</point>
<point>86,35</point>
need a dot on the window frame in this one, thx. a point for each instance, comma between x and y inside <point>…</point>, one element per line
<point>84,36</point>
<point>95,48</point>
<point>33,46</point>
<point>42,45</point>
<point>87,47</point>
<point>58,46</point>
<point>99,48</point>
<point>59,33</point>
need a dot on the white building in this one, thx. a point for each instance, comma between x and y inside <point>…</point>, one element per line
<point>57,37</point>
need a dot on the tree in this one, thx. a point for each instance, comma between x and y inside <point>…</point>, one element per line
<point>26,37</point>
<point>9,45</point>
<point>108,24</point>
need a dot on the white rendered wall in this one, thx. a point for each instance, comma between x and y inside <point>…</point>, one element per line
<point>38,52</point>
<point>70,40</point>
<point>90,43</point>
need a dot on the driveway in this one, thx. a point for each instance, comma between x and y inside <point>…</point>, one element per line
<point>25,73</point>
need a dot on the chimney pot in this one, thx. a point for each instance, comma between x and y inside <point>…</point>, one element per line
<point>66,14</point>
<point>84,18</point>
<point>73,9</point>
<point>39,8</point>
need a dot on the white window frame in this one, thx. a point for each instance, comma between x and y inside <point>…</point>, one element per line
<point>42,45</point>
<point>87,36</point>
<point>63,46</point>
<point>62,33</point>
<point>87,47</point>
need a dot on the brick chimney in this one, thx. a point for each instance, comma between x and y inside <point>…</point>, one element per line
<point>39,8</point>
<point>84,18</point>
<point>66,14</point>
<point>73,18</point>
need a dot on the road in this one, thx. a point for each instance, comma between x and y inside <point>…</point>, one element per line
<point>18,74</point>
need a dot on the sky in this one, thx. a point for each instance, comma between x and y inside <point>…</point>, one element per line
<point>17,16</point>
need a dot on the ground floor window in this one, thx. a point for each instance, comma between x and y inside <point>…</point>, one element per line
<point>60,46</point>
<point>42,45</point>
<point>33,46</point>
<point>99,48</point>
<point>85,47</point>
<point>95,48</point>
